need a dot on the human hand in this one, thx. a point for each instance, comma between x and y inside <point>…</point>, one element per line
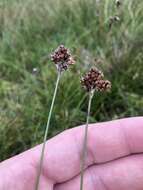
<point>114,160</point>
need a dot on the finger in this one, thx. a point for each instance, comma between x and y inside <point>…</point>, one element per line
<point>106,141</point>
<point>18,173</point>
<point>125,173</point>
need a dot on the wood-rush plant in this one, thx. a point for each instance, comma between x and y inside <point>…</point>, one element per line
<point>62,59</point>
<point>92,82</point>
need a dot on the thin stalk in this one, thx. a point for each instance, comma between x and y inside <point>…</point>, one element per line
<point>85,141</point>
<point>46,134</point>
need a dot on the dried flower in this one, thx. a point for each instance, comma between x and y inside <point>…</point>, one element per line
<point>116,18</point>
<point>93,80</point>
<point>103,85</point>
<point>113,20</point>
<point>118,3</point>
<point>62,58</point>
<point>90,79</point>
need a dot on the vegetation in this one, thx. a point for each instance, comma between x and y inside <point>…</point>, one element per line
<point>30,30</point>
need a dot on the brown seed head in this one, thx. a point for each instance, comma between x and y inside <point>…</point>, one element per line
<point>90,79</point>
<point>62,58</point>
<point>93,80</point>
<point>103,85</point>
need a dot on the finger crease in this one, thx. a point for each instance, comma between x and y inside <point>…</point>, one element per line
<point>103,184</point>
<point>92,174</point>
<point>77,146</point>
<point>123,131</point>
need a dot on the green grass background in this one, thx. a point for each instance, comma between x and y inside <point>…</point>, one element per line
<point>30,30</point>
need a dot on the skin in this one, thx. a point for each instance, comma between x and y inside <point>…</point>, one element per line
<point>114,160</point>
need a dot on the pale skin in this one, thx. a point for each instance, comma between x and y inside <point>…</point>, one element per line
<point>114,160</point>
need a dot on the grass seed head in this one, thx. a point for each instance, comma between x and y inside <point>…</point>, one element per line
<point>62,58</point>
<point>118,3</point>
<point>113,20</point>
<point>89,80</point>
<point>103,85</point>
<point>94,80</point>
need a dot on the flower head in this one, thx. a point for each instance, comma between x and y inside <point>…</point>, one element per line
<point>93,80</point>
<point>62,58</point>
<point>113,19</point>
<point>103,85</point>
<point>118,3</point>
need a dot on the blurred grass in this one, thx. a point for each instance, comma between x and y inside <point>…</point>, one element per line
<point>30,30</point>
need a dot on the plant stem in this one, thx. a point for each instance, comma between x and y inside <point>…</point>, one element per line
<point>85,141</point>
<point>46,134</point>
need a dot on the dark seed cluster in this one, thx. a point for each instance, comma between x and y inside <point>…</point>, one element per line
<point>62,58</point>
<point>118,3</point>
<point>94,80</point>
<point>103,85</point>
<point>112,20</point>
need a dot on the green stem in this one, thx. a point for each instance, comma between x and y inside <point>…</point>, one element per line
<point>85,141</point>
<point>46,134</point>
